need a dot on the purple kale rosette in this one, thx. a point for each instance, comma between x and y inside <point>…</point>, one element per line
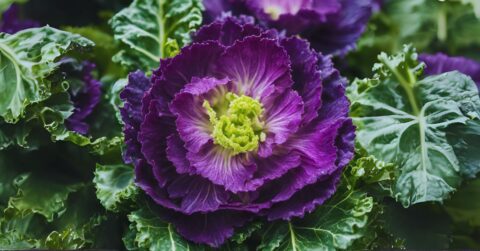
<point>440,63</point>
<point>85,93</point>
<point>11,22</point>
<point>241,123</point>
<point>332,26</point>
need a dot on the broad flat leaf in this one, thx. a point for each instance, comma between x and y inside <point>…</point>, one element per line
<point>27,58</point>
<point>334,225</point>
<point>403,120</point>
<point>465,141</point>
<point>115,185</point>
<point>152,233</point>
<point>154,29</point>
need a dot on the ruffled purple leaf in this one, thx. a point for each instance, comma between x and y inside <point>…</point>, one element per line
<point>85,99</point>
<point>132,113</point>
<point>440,63</point>
<point>332,26</point>
<point>339,33</point>
<point>304,134</point>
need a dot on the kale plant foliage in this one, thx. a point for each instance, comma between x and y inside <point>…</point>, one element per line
<point>405,119</point>
<point>239,125</point>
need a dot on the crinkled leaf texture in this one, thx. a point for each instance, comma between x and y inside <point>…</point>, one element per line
<point>149,232</point>
<point>51,114</point>
<point>114,185</point>
<point>334,225</point>
<point>39,210</point>
<point>48,201</point>
<point>27,58</point>
<point>13,135</point>
<point>154,29</point>
<point>114,97</point>
<point>369,171</point>
<point>404,121</point>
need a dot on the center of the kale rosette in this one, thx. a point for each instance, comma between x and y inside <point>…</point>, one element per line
<point>275,8</point>
<point>239,128</point>
<point>273,11</point>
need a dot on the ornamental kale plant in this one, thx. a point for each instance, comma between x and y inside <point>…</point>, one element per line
<point>404,120</point>
<point>249,130</point>
<point>332,27</point>
<point>239,124</point>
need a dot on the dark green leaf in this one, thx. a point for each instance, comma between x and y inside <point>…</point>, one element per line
<point>27,58</point>
<point>334,225</point>
<point>403,120</point>
<point>41,196</point>
<point>13,135</point>
<point>370,170</point>
<point>77,227</point>
<point>114,97</point>
<point>152,233</point>
<point>154,29</point>
<point>423,226</point>
<point>115,185</point>
<point>464,206</point>
<point>242,234</point>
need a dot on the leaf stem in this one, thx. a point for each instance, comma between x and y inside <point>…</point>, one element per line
<point>292,236</point>
<point>161,28</point>
<point>407,85</point>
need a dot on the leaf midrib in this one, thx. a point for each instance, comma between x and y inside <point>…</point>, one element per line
<point>9,54</point>
<point>419,114</point>
<point>423,146</point>
<point>161,28</point>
